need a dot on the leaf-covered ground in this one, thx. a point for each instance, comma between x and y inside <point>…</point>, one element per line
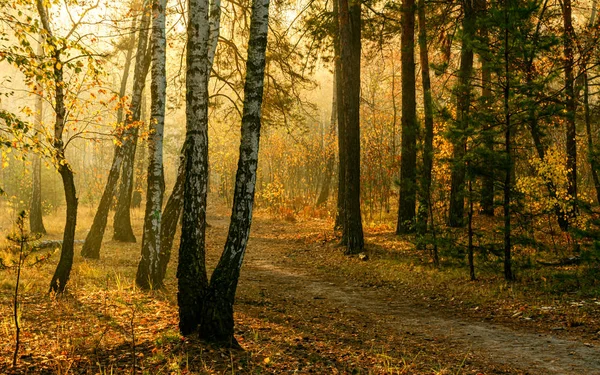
<point>302,307</point>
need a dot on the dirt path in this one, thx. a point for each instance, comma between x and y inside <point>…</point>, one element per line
<point>484,342</point>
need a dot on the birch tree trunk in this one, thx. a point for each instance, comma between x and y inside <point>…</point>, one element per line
<point>148,274</point>
<point>217,313</point>
<point>93,241</point>
<point>175,202</point>
<point>191,270</point>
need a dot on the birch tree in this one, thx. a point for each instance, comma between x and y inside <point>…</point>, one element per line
<point>217,313</point>
<point>191,271</point>
<point>192,175</point>
<point>148,273</point>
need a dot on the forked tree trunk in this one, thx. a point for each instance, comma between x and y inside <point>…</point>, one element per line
<point>191,270</point>
<point>463,101</point>
<point>426,169</point>
<point>350,46</point>
<point>148,274</point>
<point>408,163</point>
<point>217,314</point>
<point>175,202</point>
<point>93,241</point>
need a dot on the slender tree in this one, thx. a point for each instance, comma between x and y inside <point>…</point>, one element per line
<point>63,269</point>
<point>463,103</point>
<point>408,164</point>
<point>148,274</point>
<point>340,217</point>
<point>507,189</point>
<point>217,313</point>
<point>36,222</point>
<point>592,155</point>
<point>571,107</point>
<point>487,184</point>
<point>93,241</point>
<point>427,167</point>
<point>349,17</point>
<point>326,186</point>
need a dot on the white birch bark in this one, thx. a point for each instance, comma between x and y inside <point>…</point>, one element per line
<point>148,270</point>
<point>217,319</point>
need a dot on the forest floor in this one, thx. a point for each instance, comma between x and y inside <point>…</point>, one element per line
<point>302,307</point>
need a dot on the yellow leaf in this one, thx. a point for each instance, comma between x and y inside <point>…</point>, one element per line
<point>267,360</point>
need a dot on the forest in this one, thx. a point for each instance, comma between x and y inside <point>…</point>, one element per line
<point>295,187</point>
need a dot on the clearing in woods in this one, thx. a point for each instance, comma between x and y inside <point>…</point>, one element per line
<point>302,307</point>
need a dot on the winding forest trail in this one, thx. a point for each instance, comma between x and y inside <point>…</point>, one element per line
<point>387,315</point>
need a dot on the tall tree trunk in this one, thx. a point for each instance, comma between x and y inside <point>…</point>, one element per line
<point>36,222</point>
<point>63,269</point>
<point>122,229</point>
<point>326,187</point>
<point>217,314</point>
<point>463,103</point>
<point>93,241</point>
<point>350,53</point>
<point>191,269</point>
<point>175,204</point>
<point>508,273</point>
<point>340,217</point>
<point>592,155</point>
<point>487,188</point>
<point>571,142</point>
<point>425,186</point>
<point>408,157</point>
<point>148,274</point>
